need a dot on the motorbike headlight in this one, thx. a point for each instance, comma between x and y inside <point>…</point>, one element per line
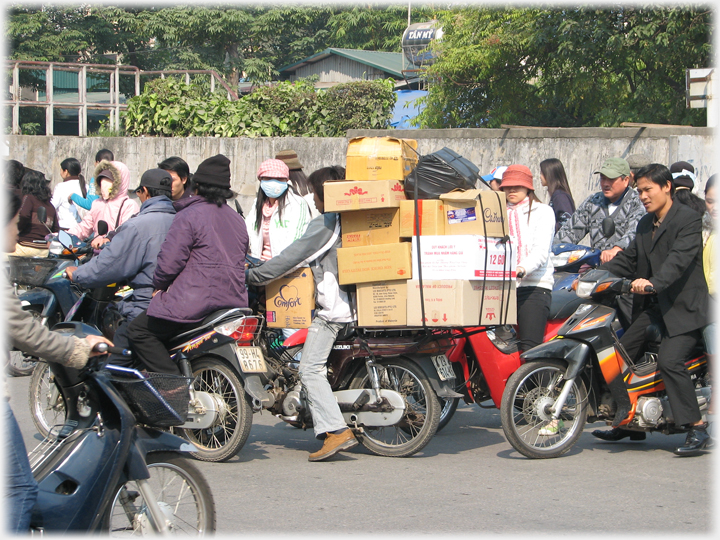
<point>567,257</point>
<point>584,288</point>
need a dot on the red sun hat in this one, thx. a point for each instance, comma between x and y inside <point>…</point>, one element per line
<point>517,175</point>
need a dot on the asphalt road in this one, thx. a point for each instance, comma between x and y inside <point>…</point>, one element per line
<point>467,481</point>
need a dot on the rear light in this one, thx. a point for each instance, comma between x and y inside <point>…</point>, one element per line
<point>241,330</point>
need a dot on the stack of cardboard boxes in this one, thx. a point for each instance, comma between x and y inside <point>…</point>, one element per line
<point>467,273</point>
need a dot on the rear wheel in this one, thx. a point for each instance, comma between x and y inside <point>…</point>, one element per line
<point>525,410</point>
<point>228,434</point>
<point>181,491</point>
<point>47,404</point>
<point>449,406</point>
<point>422,409</point>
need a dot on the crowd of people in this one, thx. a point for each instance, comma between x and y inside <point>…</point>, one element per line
<point>183,250</point>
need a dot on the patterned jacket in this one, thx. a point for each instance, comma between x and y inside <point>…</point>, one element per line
<point>589,216</point>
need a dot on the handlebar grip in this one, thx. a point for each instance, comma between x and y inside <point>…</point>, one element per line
<point>650,289</point>
<point>105,348</point>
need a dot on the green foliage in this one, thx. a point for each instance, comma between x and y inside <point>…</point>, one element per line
<point>170,107</point>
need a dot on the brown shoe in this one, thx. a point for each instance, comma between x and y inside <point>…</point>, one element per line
<point>333,444</point>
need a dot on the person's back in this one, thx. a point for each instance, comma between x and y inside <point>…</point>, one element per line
<point>35,193</point>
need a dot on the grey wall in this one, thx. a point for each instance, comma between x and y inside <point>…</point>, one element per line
<point>581,151</point>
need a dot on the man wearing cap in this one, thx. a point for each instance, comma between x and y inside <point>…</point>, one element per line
<point>617,201</point>
<point>636,162</point>
<point>494,177</point>
<point>132,254</point>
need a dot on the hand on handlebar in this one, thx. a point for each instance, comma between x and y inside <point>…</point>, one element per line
<point>69,272</point>
<point>98,241</point>
<point>95,341</point>
<point>642,286</point>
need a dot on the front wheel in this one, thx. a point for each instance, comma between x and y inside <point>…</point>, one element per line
<point>525,410</point>
<point>182,494</point>
<point>422,409</point>
<point>228,434</point>
<point>47,404</point>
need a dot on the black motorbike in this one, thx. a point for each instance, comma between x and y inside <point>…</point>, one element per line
<point>108,468</point>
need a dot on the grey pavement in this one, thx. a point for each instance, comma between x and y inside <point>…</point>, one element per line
<point>467,481</point>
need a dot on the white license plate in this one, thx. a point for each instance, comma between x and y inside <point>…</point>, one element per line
<point>251,359</point>
<point>444,369</point>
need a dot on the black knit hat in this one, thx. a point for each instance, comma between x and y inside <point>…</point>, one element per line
<point>214,171</point>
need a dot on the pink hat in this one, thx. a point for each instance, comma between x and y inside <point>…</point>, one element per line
<point>273,168</point>
<point>517,175</point>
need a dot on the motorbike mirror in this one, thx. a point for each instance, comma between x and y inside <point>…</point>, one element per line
<point>65,239</point>
<point>102,227</point>
<point>608,227</point>
<point>41,214</point>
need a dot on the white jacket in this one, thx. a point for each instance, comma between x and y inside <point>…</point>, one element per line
<point>538,237</point>
<point>295,219</point>
<point>67,212</point>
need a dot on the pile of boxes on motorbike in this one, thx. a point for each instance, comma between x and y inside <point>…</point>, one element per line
<point>468,276</point>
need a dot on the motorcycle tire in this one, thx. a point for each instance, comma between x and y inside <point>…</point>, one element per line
<point>422,414</point>
<point>228,434</point>
<point>524,410</point>
<point>449,406</point>
<point>21,364</point>
<point>47,404</point>
<point>182,493</point>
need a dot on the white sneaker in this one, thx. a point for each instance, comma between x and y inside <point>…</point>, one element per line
<point>552,428</point>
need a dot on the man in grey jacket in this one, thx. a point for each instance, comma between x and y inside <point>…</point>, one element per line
<point>132,254</point>
<point>318,248</point>
<point>616,200</point>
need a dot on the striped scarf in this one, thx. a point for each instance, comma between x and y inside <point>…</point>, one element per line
<point>519,228</point>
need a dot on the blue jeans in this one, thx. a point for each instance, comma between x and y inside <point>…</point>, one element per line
<point>324,408</point>
<point>22,489</point>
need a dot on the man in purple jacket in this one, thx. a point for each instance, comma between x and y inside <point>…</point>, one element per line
<point>200,268</point>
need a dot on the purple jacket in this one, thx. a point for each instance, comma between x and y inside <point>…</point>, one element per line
<point>201,265</point>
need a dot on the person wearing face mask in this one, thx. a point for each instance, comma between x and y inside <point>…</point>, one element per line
<point>279,216</point>
<point>114,206</point>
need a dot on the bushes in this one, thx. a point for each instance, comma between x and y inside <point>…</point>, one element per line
<point>170,107</point>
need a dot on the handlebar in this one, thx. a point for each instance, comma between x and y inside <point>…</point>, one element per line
<point>105,348</point>
<point>650,289</point>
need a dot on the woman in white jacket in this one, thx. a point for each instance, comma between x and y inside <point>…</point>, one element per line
<point>279,215</point>
<point>73,182</point>
<point>532,227</point>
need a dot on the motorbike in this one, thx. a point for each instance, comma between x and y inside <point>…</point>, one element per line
<point>107,468</point>
<point>584,375</point>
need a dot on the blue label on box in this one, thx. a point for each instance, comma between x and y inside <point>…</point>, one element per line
<point>461,215</point>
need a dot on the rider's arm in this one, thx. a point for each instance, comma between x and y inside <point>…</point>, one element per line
<point>85,228</point>
<point>684,252</point>
<point>175,252</point>
<point>635,212</point>
<point>575,228</point>
<point>624,264</point>
<point>321,234</point>
<point>543,229</point>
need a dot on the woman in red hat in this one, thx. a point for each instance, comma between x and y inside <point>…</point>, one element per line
<point>532,227</point>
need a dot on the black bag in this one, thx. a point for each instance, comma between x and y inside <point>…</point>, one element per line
<point>440,172</point>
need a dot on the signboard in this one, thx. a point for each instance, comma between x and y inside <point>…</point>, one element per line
<point>698,87</point>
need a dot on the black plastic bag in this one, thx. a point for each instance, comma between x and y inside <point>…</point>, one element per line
<point>440,172</point>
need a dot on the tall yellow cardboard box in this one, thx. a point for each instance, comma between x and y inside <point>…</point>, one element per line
<point>448,302</point>
<point>475,211</point>
<point>290,300</point>
<point>380,158</point>
<point>432,217</point>
<point>370,227</point>
<point>344,196</point>
<point>366,264</point>
<point>382,303</point>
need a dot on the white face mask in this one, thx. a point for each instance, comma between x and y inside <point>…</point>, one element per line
<point>105,186</point>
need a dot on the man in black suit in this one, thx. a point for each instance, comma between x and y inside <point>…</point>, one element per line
<point>666,254</point>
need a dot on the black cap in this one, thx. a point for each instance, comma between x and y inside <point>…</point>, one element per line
<point>214,171</point>
<point>153,179</point>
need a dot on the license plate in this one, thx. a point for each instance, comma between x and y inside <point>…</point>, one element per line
<point>251,359</point>
<point>444,369</point>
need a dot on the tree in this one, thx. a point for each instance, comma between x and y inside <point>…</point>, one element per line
<point>567,67</point>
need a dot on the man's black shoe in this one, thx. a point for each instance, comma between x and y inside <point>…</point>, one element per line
<point>697,439</point>
<point>618,434</point>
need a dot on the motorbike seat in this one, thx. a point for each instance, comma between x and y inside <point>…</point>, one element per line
<point>208,322</point>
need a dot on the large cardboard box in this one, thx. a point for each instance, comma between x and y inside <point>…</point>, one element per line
<point>345,196</point>
<point>382,303</point>
<point>290,300</point>
<point>366,264</point>
<point>370,227</point>
<point>475,211</point>
<point>432,217</point>
<point>457,302</point>
<point>380,158</point>
<point>464,256</point>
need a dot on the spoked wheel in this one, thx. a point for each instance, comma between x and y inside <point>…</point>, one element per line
<point>525,410</point>
<point>47,404</point>
<point>449,406</point>
<point>422,409</point>
<point>181,491</point>
<point>20,364</point>
<point>228,434</point>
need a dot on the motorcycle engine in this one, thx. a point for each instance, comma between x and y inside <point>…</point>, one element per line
<point>293,402</point>
<point>650,411</point>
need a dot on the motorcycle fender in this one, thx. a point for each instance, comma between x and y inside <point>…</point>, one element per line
<point>444,389</point>
<point>39,297</point>
<point>148,440</point>
<point>372,418</point>
<point>576,353</point>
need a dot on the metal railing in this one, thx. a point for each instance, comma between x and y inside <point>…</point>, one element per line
<point>113,105</point>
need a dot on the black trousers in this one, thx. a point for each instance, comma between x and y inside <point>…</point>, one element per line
<point>533,310</point>
<point>673,353</point>
<point>148,336</point>
<point>120,339</point>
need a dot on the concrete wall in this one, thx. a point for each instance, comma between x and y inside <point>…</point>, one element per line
<point>581,151</point>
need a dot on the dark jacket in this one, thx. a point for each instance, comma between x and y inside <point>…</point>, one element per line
<point>563,206</point>
<point>131,255</point>
<point>30,227</point>
<point>201,266</point>
<point>672,262</point>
